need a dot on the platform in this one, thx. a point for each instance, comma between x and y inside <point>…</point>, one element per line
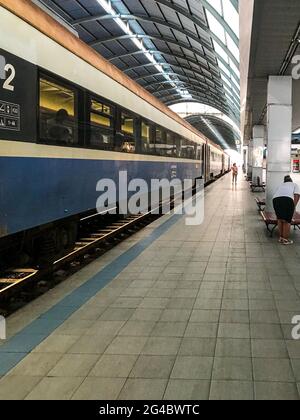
<point>174,312</point>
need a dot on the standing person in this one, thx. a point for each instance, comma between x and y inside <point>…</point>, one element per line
<point>235,172</point>
<point>285,202</point>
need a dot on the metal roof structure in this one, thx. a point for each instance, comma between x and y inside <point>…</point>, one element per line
<point>179,50</point>
<point>215,128</point>
<point>268,48</point>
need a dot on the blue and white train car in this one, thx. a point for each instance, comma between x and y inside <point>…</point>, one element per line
<point>68,118</point>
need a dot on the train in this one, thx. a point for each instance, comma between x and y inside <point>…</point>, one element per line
<point>69,118</point>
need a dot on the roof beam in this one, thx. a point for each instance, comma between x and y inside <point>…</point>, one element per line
<point>178,28</point>
<point>188,78</point>
<point>195,89</point>
<point>189,82</point>
<point>221,20</point>
<point>183,57</point>
<point>179,66</point>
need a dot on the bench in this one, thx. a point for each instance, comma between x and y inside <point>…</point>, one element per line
<point>261,203</point>
<point>271,222</point>
<point>258,186</point>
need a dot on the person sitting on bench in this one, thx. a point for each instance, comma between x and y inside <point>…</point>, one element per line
<point>285,202</point>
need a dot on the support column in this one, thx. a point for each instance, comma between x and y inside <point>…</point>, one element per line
<point>250,159</point>
<point>279,133</point>
<point>258,152</point>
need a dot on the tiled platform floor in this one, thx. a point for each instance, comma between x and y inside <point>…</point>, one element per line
<point>202,313</point>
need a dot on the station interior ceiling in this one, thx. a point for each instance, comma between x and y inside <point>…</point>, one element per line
<point>178,50</point>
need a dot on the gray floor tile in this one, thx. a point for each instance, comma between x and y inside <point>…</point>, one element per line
<point>135,292</point>
<point>264,317</point>
<point>137,328</point>
<point>91,344</point>
<point>117,314</point>
<point>202,303</point>
<point>55,389</point>
<point>169,329</point>
<point>161,346</point>
<point>262,305</point>
<point>192,367</point>
<point>36,364</point>
<point>99,389</point>
<point>232,347</point>
<point>176,315</point>
<point>275,391</point>
<point>201,330</point>
<point>266,331</point>
<point>232,368</point>
<point>231,390</point>
<point>269,348</point>
<point>185,293</point>
<point>232,317</point>
<point>182,389</point>
<point>293,347</point>
<point>146,315</point>
<point>56,344</point>
<point>154,303</point>
<point>153,367</point>
<point>181,303</point>
<point>17,387</point>
<point>205,316</point>
<point>296,368</point>
<point>114,366</point>
<point>273,370</point>
<point>160,293</point>
<point>74,365</point>
<point>105,328</point>
<point>126,345</point>
<point>235,304</point>
<point>197,347</point>
<point>143,389</point>
<point>234,331</point>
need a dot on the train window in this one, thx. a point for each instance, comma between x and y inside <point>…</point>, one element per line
<point>170,144</point>
<point>160,142</point>
<point>127,124</point>
<point>192,150</point>
<point>58,114</point>
<point>101,125</point>
<point>199,152</point>
<point>178,146</point>
<point>146,138</point>
<point>128,131</point>
<point>184,149</point>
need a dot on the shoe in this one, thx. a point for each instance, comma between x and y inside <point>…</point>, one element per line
<point>281,240</point>
<point>287,242</point>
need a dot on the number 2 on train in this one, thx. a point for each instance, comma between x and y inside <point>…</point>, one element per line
<point>8,82</point>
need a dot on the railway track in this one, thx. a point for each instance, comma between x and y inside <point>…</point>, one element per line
<point>22,284</point>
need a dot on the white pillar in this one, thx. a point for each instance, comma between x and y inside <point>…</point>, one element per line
<point>250,159</point>
<point>258,152</point>
<point>279,133</point>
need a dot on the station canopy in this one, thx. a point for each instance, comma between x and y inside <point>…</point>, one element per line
<point>218,130</point>
<point>179,50</point>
